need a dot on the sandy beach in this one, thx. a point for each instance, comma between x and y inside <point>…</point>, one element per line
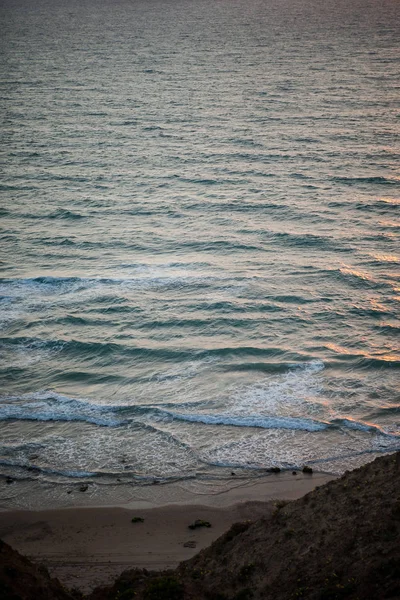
<point>88,546</point>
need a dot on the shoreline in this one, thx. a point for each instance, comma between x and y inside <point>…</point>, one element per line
<point>86,546</point>
<point>40,495</point>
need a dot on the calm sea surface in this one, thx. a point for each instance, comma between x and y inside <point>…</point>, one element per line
<point>200,253</point>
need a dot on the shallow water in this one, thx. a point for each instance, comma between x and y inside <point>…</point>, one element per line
<point>200,265</point>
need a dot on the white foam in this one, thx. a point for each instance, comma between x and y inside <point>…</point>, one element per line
<point>296,394</point>
<point>50,406</point>
<point>124,451</point>
<point>333,451</point>
<point>251,421</point>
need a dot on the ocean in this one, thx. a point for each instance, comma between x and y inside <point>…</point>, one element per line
<point>200,249</point>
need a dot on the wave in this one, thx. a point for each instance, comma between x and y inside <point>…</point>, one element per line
<point>145,278</point>
<point>47,471</point>
<point>47,280</point>
<point>379,180</point>
<point>367,362</point>
<point>63,213</point>
<point>388,328</point>
<point>354,277</point>
<point>294,299</point>
<point>197,323</point>
<point>96,349</point>
<point>26,472</point>
<point>381,205</point>
<point>383,362</point>
<point>360,426</point>
<point>251,421</point>
<point>384,258</point>
<point>218,246</point>
<point>360,277</point>
<point>242,207</point>
<point>50,406</point>
<point>385,411</point>
<point>310,240</point>
<point>227,306</point>
<point>267,367</point>
<point>371,311</point>
<point>60,213</point>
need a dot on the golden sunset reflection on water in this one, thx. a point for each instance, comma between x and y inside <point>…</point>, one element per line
<point>201,256</point>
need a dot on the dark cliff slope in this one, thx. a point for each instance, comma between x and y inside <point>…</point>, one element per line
<point>20,579</point>
<point>340,541</point>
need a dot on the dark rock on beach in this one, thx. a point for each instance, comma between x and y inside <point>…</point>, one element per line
<point>307,470</point>
<point>137,520</point>
<point>274,470</point>
<point>199,523</point>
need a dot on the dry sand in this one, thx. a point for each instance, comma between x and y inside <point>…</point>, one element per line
<point>86,547</point>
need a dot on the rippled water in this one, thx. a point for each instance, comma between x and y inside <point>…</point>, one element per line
<point>200,259</point>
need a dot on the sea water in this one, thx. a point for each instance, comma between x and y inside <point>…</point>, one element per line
<point>200,251</point>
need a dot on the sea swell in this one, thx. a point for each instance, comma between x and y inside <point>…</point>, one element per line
<point>49,406</point>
